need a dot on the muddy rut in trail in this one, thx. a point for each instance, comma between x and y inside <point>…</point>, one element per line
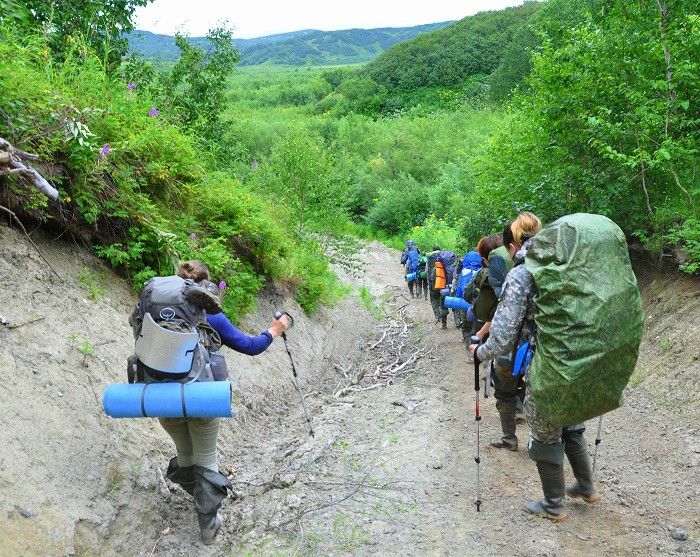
<point>390,470</point>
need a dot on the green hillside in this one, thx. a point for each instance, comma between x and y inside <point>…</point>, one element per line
<point>322,48</point>
<point>447,56</point>
<point>163,48</point>
<point>299,48</point>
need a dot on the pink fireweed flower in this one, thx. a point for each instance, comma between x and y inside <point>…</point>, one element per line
<point>254,165</point>
<point>131,86</point>
<point>106,149</point>
<point>153,112</point>
<point>222,285</point>
<point>193,236</point>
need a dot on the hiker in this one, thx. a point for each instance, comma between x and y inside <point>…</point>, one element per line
<point>422,277</point>
<point>464,277</point>
<point>479,291</point>
<point>195,466</point>
<point>440,271</point>
<point>513,322</point>
<point>506,388</point>
<point>432,293</point>
<point>410,245</point>
<point>456,277</point>
<point>411,266</point>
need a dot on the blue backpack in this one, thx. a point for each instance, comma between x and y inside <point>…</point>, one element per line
<point>470,266</point>
<point>412,261</point>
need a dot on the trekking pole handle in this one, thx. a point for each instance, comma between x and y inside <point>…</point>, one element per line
<point>279,314</point>
<point>476,340</point>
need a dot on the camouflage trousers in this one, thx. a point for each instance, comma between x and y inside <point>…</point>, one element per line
<point>540,429</point>
<point>436,302</point>
<point>505,391</point>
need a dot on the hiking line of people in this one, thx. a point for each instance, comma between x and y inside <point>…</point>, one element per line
<point>555,317</point>
<point>554,314</point>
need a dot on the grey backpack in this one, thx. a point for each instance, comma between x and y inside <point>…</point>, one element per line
<point>173,339</point>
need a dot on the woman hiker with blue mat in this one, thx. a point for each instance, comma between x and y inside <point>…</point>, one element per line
<point>195,466</point>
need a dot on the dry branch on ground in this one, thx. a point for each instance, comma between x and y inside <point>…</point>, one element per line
<point>391,356</point>
<point>14,161</point>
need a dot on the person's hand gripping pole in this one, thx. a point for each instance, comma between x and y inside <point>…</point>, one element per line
<point>294,370</point>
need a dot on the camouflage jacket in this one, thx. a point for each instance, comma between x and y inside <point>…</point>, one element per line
<point>515,316</point>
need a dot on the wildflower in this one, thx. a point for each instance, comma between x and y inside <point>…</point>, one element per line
<point>106,149</point>
<point>123,76</point>
<point>254,165</point>
<point>222,285</point>
<point>193,236</point>
<point>131,86</point>
<point>153,112</point>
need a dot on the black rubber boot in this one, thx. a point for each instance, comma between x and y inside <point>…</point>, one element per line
<point>444,321</point>
<point>183,476</point>
<point>577,453</point>
<point>211,490</point>
<point>551,506</point>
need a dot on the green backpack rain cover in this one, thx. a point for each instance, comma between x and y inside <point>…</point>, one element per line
<point>589,318</point>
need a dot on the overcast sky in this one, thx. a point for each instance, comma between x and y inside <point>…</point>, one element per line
<point>268,17</point>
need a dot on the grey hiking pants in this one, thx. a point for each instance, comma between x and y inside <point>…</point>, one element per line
<point>422,286</point>
<point>195,440</point>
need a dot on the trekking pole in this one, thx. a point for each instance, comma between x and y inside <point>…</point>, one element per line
<point>294,369</point>
<point>597,442</point>
<point>475,340</point>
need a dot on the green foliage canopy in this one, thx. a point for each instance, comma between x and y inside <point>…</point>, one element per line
<point>611,125</point>
<point>102,24</point>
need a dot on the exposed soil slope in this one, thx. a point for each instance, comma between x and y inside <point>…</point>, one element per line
<point>390,470</point>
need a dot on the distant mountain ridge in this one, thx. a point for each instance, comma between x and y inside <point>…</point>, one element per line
<point>297,48</point>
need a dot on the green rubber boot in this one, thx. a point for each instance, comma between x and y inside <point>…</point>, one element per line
<point>505,386</point>
<point>577,453</point>
<point>212,488</point>
<point>550,466</point>
<point>551,506</point>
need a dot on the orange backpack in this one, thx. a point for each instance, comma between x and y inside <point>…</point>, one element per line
<point>440,281</point>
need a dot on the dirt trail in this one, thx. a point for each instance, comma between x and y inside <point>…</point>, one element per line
<point>400,476</point>
<point>390,470</point>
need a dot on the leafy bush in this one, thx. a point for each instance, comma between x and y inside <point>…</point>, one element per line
<point>436,231</point>
<point>603,132</point>
<point>400,206</point>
